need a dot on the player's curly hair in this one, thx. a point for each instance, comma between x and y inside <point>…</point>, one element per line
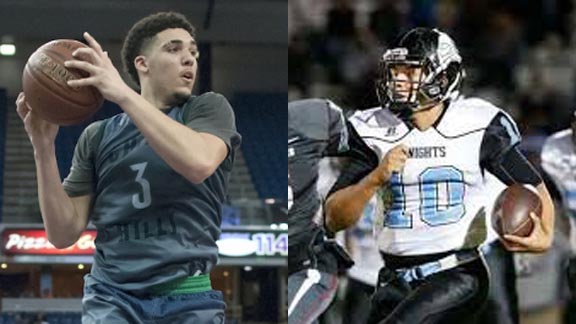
<point>143,32</point>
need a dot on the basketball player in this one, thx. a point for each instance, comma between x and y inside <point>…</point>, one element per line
<point>429,154</point>
<point>316,129</point>
<point>558,158</point>
<point>152,180</point>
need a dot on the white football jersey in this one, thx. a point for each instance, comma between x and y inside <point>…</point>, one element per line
<point>559,161</point>
<point>493,188</point>
<point>433,203</point>
<point>363,248</point>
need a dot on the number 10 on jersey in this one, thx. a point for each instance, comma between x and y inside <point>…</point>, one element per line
<point>433,210</point>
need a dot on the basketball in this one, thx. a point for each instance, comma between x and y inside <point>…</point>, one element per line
<point>44,83</point>
<point>511,213</point>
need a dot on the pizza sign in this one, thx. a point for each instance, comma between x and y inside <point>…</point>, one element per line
<point>35,242</point>
<point>235,243</point>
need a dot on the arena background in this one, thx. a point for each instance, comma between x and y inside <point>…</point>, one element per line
<point>517,54</point>
<point>243,56</point>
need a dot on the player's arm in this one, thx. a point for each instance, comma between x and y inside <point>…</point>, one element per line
<point>195,155</point>
<point>516,168</point>
<point>64,218</point>
<point>500,156</point>
<point>359,182</point>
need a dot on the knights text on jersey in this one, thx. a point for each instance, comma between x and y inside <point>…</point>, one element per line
<point>436,203</point>
<point>559,162</point>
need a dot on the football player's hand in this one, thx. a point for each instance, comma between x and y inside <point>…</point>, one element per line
<point>539,239</point>
<point>40,132</point>
<point>393,161</point>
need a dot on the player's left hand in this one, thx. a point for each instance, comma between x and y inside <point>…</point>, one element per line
<point>539,239</point>
<point>103,75</point>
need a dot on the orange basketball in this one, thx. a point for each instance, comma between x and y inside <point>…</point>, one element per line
<point>48,94</point>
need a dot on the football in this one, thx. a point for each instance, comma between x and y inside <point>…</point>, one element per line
<point>511,211</point>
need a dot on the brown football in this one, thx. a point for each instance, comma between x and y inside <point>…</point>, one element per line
<point>511,212</point>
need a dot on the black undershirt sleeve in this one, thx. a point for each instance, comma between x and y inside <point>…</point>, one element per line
<point>499,153</point>
<point>362,160</point>
<point>515,168</point>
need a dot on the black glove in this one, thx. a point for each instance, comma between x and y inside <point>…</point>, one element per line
<point>345,262</point>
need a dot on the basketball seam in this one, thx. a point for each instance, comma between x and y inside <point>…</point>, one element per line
<point>76,118</point>
<point>46,87</point>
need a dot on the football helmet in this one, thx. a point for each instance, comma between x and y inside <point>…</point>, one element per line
<point>437,61</point>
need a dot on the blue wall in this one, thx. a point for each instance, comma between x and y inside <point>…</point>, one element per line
<point>262,122</point>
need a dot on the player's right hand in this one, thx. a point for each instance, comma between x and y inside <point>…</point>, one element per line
<point>40,132</point>
<point>393,161</point>
<point>539,240</point>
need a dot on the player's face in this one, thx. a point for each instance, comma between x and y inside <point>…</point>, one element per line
<point>172,63</point>
<point>404,82</point>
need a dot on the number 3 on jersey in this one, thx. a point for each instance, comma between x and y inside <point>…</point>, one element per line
<point>434,211</point>
<point>144,199</point>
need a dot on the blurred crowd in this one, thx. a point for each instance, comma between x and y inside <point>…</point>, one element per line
<point>517,54</point>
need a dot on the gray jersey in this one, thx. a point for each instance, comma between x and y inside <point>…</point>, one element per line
<point>154,225</point>
<point>316,128</point>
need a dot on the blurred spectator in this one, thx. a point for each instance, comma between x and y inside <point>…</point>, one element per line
<point>551,15</point>
<point>499,39</point>
<point>340,36</point>
<point>389,19</point>
<point>546,88</point>
<point>300,63</point>
<point>341,21</point>
<point>40,319</point>
<point>28,293</point>
<point>447,17</point>
<point>47,293</point>
<point>503,38</point>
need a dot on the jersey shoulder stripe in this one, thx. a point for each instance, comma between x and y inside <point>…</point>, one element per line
<point>379,124</point>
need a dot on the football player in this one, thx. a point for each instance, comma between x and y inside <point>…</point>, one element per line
<point>558,158</point>
<point>430,152</point>
<point>317,128</point>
